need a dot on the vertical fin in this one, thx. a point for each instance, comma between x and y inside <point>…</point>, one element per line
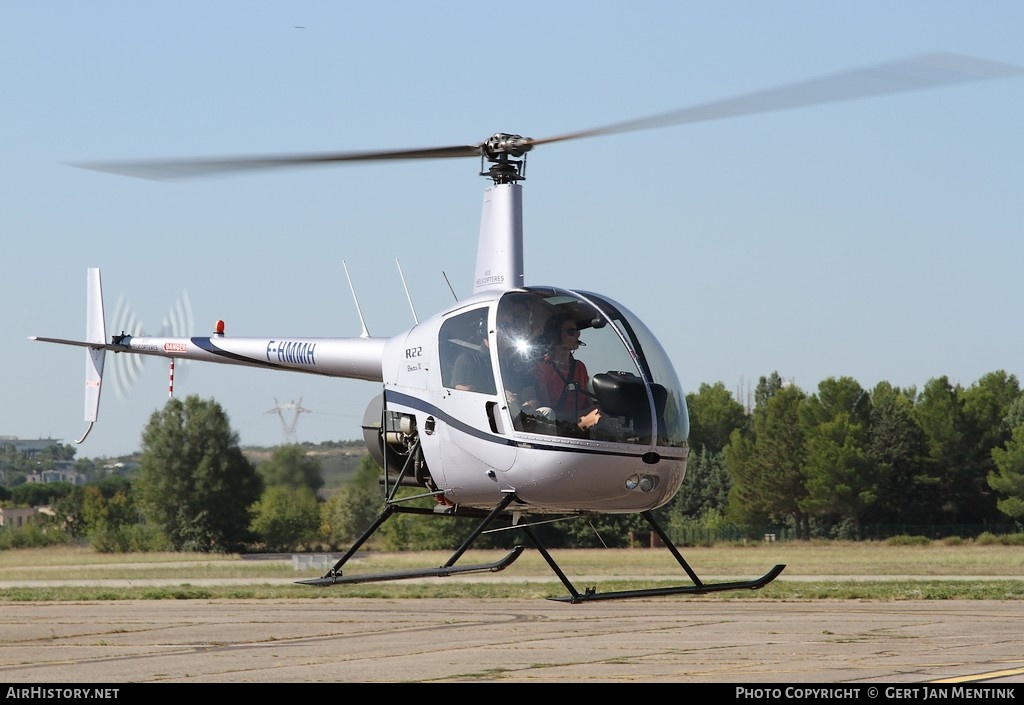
<point>95,332</point>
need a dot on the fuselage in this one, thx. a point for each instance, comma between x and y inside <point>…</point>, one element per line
<point>481,443</point>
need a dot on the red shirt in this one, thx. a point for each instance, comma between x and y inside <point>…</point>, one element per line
<point>554,380</point>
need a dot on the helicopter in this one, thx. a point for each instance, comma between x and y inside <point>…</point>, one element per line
<point>499,451</point>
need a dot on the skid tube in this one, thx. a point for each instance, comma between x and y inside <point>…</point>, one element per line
<point>335,575</point>
<point>698,587</point>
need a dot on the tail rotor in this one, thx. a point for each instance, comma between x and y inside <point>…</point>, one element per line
<point>177,323</point>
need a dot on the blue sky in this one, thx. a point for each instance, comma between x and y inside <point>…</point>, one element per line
<point>878,239</point>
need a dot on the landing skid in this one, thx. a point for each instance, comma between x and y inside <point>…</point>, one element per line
<point>701,589</point>
<point>698,587</point>
<point>442,572</point>
<point>336,577</point>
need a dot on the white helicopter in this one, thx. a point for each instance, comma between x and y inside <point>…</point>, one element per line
<point>499,450</point>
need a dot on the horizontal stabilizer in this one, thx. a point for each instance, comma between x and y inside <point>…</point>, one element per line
<point>79,343</point>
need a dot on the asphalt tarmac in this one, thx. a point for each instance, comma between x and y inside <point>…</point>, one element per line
<point>641,640</point>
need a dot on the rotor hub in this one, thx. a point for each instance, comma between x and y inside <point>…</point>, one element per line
<point>499,150</point>
<point>502,143</point>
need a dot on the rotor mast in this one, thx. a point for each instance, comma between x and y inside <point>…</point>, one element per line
<point>499,255</point>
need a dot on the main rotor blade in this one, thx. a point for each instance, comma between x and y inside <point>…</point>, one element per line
<point>159,170</point>
<point>915,73</point>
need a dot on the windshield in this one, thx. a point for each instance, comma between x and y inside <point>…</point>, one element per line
<point>579,364</point>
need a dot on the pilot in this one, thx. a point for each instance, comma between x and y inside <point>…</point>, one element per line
<point>563,380</point>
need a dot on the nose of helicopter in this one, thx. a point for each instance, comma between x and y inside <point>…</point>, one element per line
<point>575,479</point>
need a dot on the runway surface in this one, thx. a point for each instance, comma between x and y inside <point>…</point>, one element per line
<point>658,640</point>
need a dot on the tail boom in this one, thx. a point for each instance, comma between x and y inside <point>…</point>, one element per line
<point>352,358</point>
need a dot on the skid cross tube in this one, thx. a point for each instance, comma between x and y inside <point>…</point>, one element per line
<point>335,577</point>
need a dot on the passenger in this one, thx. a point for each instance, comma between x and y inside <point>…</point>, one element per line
<point>472,371</point>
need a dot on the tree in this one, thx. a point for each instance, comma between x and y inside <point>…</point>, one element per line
<point>48,457</point>
<point>765,472</point>
<point>898,445</point>
<point>195,485</point>
<point>705,488</point>
<point>38,495</point>
<point>599,531</point>
<point>939,411</point>
<point>767,387</point>
<point>69,514</point>
<point>111,523</point>
<point>840,476</point>
<point>714,414</point>
<point>88,468</point>
<point>986,404</point>
<point>842,479</point>
<point>291,468</point>
<point>963,426</point>
<point>781,449</point>
<point>351,510</point>
<point>1008,476</point>
<point>287,519</point>
<point>1014,417</point>
<point>835,397</point>
<point>747,502</point>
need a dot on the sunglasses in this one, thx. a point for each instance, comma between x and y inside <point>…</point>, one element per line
<point>571,331</point>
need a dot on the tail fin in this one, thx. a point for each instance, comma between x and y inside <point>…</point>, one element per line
<point>95,332</point>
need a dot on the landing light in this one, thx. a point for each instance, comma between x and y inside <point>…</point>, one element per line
<point>645,483</point>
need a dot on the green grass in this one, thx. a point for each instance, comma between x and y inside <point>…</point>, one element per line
<point>447,589</point>
<point>815,570</point>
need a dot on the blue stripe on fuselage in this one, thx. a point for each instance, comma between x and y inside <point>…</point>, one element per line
<point>209,346</point>
<point>424,406</point>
